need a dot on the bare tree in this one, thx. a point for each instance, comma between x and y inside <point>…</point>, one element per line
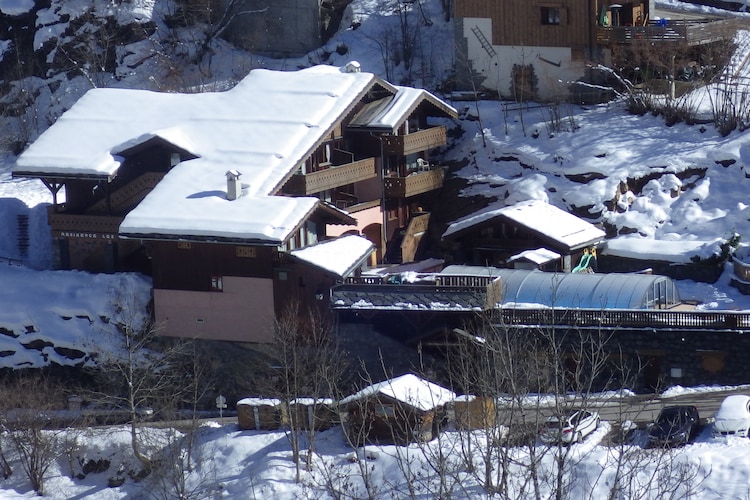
<point>30,428</point>
<point>141,373</point>
<point>310,368</point>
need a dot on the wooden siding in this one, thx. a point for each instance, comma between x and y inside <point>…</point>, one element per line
<point>191,268</point>
<point>518,22</point>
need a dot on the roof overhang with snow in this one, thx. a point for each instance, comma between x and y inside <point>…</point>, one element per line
<point>388,113</point>
<point>550,223</point>
<point>408,389</point>
<point>339,257</point>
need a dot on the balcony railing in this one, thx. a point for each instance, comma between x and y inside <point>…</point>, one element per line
<point>331,177</point>
<point>741,269</point>
<point>414,184</point>
<point>84,226</point>
<point>129,195</point>
<point>689,32</point>
<point>414,142</point>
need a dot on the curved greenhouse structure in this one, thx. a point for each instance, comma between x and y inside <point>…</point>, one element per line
<point>579,290</point>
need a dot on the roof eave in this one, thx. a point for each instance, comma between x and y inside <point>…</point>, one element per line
<point>200,239</point>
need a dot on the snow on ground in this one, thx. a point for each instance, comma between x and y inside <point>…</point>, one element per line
<point>521,161</point>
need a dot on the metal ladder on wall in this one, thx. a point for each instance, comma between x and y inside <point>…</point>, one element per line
<point>23,234</point>
<point>486,45</point>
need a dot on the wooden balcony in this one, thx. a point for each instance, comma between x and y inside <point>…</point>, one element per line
<point>687,32</point>
<point>414,184</point>
<point>741,269</point>
<point>91,227</point>
<point>331,177</point>
<point>422,140</point>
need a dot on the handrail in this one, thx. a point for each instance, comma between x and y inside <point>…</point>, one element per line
<point>531,317</point>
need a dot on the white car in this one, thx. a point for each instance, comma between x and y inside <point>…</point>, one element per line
<point>733,416</point>
<point>571,428</point>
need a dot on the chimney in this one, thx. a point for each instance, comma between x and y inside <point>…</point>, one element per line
<point>352,67</point>
<point>234,187</point>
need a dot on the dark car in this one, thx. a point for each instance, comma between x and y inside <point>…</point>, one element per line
<point>675,426</point>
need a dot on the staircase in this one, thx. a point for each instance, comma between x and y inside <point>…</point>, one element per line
<point>129,195</point>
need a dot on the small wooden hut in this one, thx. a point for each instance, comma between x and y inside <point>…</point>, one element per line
<point>474,412</point>
<point>259,414</point>
<point>311,413</point>
<point>399,410</point>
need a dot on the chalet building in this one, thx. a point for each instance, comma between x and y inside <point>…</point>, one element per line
<point>216,195</point>
<point>399,410</point>
<point>534,50</point>
<point>528,235</point>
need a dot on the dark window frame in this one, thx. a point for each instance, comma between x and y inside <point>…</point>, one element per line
<point>550,16</point>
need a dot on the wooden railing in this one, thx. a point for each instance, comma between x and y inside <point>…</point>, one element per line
<point>414,184</point>
<point>483,291</point>
<point>689,32</point>
<point>424,281</point>
<point>332,177</point>
<point>84,226</point>
<point>617,318</point>
<point>415,142</point>
<point>741,269</point>
<point>129,195</point>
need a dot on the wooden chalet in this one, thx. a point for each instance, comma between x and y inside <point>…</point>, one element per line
<point>212,194</point>
<point>533,50</point>
<point>530,231</point>
<point>399,410</point>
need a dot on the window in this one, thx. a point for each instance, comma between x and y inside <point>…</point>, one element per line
<point>551,15</point>
<point>386,411</point>
<point>217,284</point>
<point>184,245</point>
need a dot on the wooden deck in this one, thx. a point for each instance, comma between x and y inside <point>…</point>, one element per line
<point>687,32</point>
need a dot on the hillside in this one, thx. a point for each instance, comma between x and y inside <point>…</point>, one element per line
<point>670,192</point>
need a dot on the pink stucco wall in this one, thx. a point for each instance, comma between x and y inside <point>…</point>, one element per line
<point>364,218</point>
<point>242,312</point>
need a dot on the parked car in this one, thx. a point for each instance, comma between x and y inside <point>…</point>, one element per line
<point>675,426</point>
<point>569,428</point>
<point>733,416</point>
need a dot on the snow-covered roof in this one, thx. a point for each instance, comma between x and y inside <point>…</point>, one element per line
<point>676,251</point>
<point>547,220</point>
<point>340,256</point>
<point>409,389</point>
<point>538,256</point>
<point>390,112</point>
<point>177,208</point>
<point>258,402</point>
<point>264,127</point>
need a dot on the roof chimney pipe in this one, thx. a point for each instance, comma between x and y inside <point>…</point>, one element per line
<point>234,187</point>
